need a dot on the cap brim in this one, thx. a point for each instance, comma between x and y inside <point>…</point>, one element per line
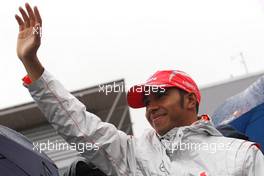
<point>135,98</point>
<point>135,95</point>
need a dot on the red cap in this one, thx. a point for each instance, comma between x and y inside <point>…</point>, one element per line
<point>162,79</point>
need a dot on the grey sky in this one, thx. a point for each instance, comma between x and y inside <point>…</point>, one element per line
<point>90,42</point>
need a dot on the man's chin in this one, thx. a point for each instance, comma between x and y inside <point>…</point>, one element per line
<point>161,131</point>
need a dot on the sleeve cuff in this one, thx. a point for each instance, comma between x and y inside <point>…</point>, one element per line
<point>26,80</point>
<point>39,83</point>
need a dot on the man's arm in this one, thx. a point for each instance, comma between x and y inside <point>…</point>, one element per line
<point>65,112</point>
<point>112,149</point>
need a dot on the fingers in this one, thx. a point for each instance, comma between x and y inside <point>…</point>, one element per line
<point>20,22</point>
<point>37,16</point>
<point>31,14</point>
<point>25,17</point>
<point>30,18</point>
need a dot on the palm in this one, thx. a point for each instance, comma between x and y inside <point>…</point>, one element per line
<point>27,43</point>
<point>29,35</point>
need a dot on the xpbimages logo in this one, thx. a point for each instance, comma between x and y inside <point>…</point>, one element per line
<point>37,31</point>
<point>56,145</point>
<point>119,87</point>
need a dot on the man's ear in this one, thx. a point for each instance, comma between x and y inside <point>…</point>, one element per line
<point>191,101</point>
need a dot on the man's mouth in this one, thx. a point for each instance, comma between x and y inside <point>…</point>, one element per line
<point>156,117</point>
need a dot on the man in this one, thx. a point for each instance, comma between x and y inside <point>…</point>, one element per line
<point>180,144</point>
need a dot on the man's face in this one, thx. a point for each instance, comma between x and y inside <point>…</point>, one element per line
<point>164,110</point>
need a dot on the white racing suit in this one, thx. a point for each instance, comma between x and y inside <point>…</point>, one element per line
<point>195,150</point>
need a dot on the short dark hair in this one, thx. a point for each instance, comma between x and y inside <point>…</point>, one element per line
<point>182,93</point>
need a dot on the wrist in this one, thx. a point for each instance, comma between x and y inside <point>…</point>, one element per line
<point>29,59</point>
<point>33,67</point>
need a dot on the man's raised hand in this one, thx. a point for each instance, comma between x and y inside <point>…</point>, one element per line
<point>29,39</point>
<point>29,35</point>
